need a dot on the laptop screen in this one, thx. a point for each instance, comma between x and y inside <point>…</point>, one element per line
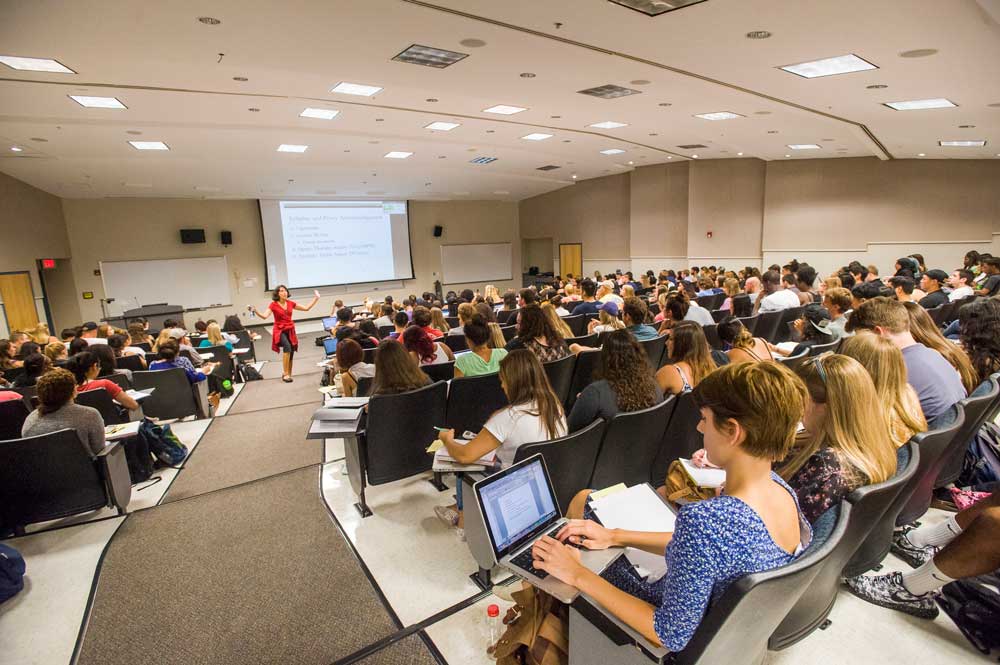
<point>516,503</point>
<point>329,322</point>
<point>330,346</point>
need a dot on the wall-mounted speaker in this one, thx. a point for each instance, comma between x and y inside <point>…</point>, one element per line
<point>438,230</point>
<point>191,236</point>
<point>226,237</point>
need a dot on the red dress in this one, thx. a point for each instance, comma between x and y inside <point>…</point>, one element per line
<point>283,323</point>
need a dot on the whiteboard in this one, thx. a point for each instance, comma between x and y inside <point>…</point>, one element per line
<point>463,264</point>
<point>189,283</point>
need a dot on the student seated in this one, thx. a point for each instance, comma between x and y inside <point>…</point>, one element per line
<point>838,302</point>
<point>396,371</point>
<point>8,355</point>
<point>626,383</point>
<point>533,414</point>
<point>755,525</point>
<point>776,297</point>
<point>400,320</point>
<point>689,359</point>
<point>813,328</point>
<point>926,332</point>
<point>979,334</point>
<point>536,334</point>
<point>932,284</point>
<point>170,359</point>
<point>86,367</point>
<point>437,321</point>
<point>745,347</point>
<point>731,287</point>
<point>465,313</point>
<point>55,351</point>
<point>423,348</point>
<point>884,362</point>
<point>846,442</point>
<point>34,366</point>
<point>422,319</point>
<point>350,362</point>
<point>213,337</point>
<point>556,321</point>
<point>607,319</point>
<point>57,410</point>
<point>482,359</point>
<point>108,362</point>
<point>634,316</point>
<point>589,304</point>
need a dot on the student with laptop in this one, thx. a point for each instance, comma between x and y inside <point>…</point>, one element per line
<point>755,525</point>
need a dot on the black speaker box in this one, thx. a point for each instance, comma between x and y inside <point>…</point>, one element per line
<point>191,236</point>
<point>438,230</point>
<point>226,237</point>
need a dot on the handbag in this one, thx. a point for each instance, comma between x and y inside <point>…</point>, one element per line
<point>537,631</point>
<point>681,488</point>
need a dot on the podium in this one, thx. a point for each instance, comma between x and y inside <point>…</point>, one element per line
<point>155,314</point>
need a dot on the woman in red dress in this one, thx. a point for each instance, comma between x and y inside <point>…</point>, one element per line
<point>283,339</point>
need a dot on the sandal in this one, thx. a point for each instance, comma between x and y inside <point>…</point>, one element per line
<point>286,379</point>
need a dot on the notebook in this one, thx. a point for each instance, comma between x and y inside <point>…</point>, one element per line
<point>638,508</point>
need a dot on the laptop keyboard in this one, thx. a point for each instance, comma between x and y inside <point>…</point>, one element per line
<point>524,559</point>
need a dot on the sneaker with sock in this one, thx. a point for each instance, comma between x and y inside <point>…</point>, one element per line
<point>888,591</point>
<point>447,514</point>
<point>914,555</point>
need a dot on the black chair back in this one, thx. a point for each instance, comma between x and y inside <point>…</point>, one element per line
<point>934,447</point>
<point>399,429</point>
<point>736,628</point>
<point>817,349</point>
<point>46,477</point>
<point>570,460</point>
<point>440,371</point>
<point>767,325</point>
<point>452,321</point>
<point>570,305</point>
<point>132,363</point>
<point>509,332</point>
<point>244,341</point>
<point>750,322</point>
<point>712,335</point>
<point>119,380</point>
<point>472,400</point>
<point>938,313</point>
<point>226,368</point>
<point>100,399</point>
<point>505,315</point>
<point>173,397</point>
<point>368,355</point>
<point>630,445</point>
<point>866,505</point>
<point>784,328</point>
<point>456,342</point>
<point>708,302</point>
<point>978,410</point>
<point>385,331</point>
<point>578,324</point>
<point>12,416</point>
<point>587,364</point>
<point>145,346</point>
<point>719,314</point>
<point>364,386</point>
<point>681,438</point>
<point>793,362</point>
<point>560,374</point>
<point>584,340</point>
<point>12,373</point>
<point>655,348</point>
<point>742,306</point>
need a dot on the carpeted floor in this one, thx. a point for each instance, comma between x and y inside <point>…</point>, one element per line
<point>305,358</point>
<point>252,574</point>
<point>272,393</point>
<point>408,651</point>
<point>248,446</point>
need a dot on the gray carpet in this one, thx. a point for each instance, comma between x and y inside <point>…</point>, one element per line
<point>271,393</point>
<point>253,574</point>
<point>408,651</point>
<point>248,446</point>
<point>305,358</point>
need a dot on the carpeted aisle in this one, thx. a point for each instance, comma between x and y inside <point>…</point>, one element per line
<point>408,651</point>
<point>273,393</point>
<point>248,446</point>
<point>304,362</point>
<point>252,574</point>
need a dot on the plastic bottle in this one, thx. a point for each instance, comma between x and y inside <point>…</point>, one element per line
<point>493,629</point>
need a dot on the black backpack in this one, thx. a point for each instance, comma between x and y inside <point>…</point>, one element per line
<point>11,572</point>
<point>249,372</point>
<point>140,460</point>
<point>982,458</point>
<point>974,605</point>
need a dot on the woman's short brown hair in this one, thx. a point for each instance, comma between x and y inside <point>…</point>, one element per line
<point>766,399</point>
<point>55,390</point>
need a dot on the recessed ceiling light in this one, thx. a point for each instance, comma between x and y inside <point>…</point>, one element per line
<point>429,56</point>
<point>719,115</point>
<point>920,154</point>
<point>320,114</point>
<point>612,151</point>
<point>536,137</point>
<point>609,124</point>
<point>527,75</point>
<point>149,145</point>
<point>670,156</point>
<point>504,109</point>
<point>345,88</point>
<point>290,147</point>
<point>574,176</point>
<point>640,82</point>
<point>15,148</point>
<point>609,91</point>
<point>35,64</point>
<point>630,163</point>
<point>962,144</point>
<point>442,126</point>
<point>739,154</point>
<point>694,156</point>
<point>918,53</point>
<point>841,64</point>
<point>758,34</point>
<point>209,20</point>
<point>98,102</point>
<point>803,146</point>
<point>397,154</point>
<point>920,104</point>
<point>473,43</point>
<point>692,146</point>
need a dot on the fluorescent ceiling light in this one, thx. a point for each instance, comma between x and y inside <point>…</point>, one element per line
<point>536,137</point>
<point>355,89</point>
<point>608,124</point>
<point>430,56</point>
<point>288,147</point>
<point>98,102</point>
<point>803,146</point>
<point>503,109</point>
<point>443,126</point>
<point>15,148</point>
<point>919,104</point>
<point>842,64</point>
<point>321,114</point>
<point>397,154</point>
<point>35,64</point>
<point>149,145</point>
<point>609,91</point>
<point>719,115</point>
<point>612,151</point>
<point>961,144</point>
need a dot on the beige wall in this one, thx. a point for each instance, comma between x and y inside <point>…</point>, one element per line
<point>658,214</point>
<point>538,252</point>
<point>726,197</point>
<point>122,229</point>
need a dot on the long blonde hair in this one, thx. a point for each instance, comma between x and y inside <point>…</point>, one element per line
<point>40,333</point>
<point>437,320</point>
<point>612,322</point>
<point>926,332</point>
<point>556,320</point>
<point>526,384</point>
<point>161,338</point>
<point>214,333</point>
<point>884,362</point>
<point>627,291</point>
<point>855,427</point>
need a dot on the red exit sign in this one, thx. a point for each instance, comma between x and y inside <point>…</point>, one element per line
<point>48,263</point>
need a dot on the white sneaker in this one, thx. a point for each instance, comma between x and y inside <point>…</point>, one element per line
<point>446,514</point>
<point>461,533</point>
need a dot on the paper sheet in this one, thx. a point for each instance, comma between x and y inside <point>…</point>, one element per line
<point>638,508</point>
<point>115,432</point>
<point>336,414</point>
<point>710,478</point>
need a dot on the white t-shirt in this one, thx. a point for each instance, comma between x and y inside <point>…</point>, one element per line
<point>699,315</point>
<point>611,297</point>
<point>95,340</point>
<point>515,426</point>
<point>959,293</point>
<point>440,356</point>
<point>779,300</point>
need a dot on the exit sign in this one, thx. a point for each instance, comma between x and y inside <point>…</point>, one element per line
<point>48,263</point>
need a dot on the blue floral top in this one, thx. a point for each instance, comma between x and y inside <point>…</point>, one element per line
<point>715,542</point>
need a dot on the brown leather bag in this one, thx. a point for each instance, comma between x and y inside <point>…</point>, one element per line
<point>537,631</point>
<point>680,488</point>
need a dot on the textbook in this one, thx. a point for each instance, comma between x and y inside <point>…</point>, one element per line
<point>638,508</point>
<point>443,462</point>
<point>707,477</point>
<point>324,413</point>
<point>345,402</point>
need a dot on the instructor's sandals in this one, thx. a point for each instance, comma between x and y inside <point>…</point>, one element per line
<point>286,379</point>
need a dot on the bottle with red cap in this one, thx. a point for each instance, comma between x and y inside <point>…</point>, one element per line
<point>493,629</point>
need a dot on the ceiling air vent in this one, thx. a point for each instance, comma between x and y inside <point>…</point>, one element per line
<point>692,146</point>
<point>655,7</point>
<point>549,167</point>
<point>482,160</point>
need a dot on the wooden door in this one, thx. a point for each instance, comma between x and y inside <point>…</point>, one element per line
<point>571,259</point>
<point>18,301</point>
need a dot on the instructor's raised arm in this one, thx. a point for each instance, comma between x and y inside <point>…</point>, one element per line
<point>311,304</point>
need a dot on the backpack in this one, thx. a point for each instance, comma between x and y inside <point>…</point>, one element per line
<point>11,572</point>
<point>982,458</point>
<point>139,459</point>
<point>226,388</point>
<point>250,372</point>
<point>162,442</point>
<point>974,605</point>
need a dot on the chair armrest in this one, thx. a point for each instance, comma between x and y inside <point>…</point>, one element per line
<point>113,467</point>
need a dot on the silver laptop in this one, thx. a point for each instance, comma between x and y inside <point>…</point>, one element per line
<point>519,506</point>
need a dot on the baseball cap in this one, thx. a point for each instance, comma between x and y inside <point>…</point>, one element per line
<point>938,275</point>
<point>818,316</point>
<point>611,307</point>
<point>89,325</point>
<point>177,333</point>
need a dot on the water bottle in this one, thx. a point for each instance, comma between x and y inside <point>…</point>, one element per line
<point>493,629</point>
<point>338,384</point>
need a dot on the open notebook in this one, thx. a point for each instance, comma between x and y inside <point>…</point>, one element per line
<point>637,508</point>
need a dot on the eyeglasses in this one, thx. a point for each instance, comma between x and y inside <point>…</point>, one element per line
<point>818,362</point>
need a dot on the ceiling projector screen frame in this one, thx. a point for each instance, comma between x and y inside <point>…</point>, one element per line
<point>270,283</point>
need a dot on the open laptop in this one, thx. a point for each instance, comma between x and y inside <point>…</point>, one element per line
<point>519,506</point>
<point>329,322</point>
<point>330,346</point>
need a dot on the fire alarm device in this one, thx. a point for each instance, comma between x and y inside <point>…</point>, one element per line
<point>708,235</point>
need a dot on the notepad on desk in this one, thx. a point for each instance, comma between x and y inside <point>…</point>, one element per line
<point>638,508</point>
<point>703,477</point>
<point>443,462</point>
<point>139,395</point>
<point>123,431</point>
<point>324,413</point>
<point>345,402</point>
